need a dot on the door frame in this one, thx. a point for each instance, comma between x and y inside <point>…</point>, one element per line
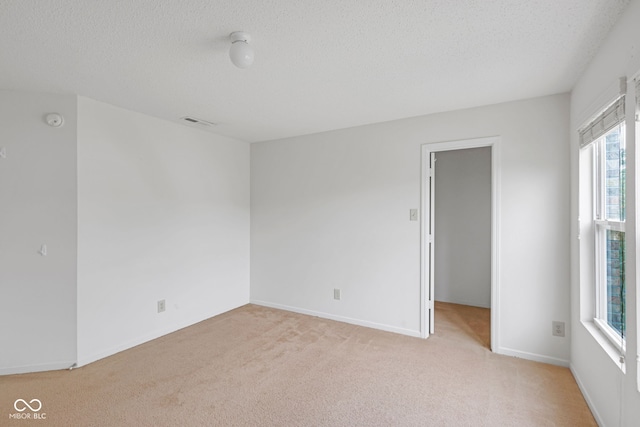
<point>426,282</point>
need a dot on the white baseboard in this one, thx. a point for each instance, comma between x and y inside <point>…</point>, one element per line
<point>380,326</point>
<point>587,398</point>
<point>463,302</point>
<point>82,361</point>
<point>532,356</point>
<point>53,366</point>
<point>85,360</point>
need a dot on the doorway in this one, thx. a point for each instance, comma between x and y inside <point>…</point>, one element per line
<point>462,247</point>
<point>445,272</point>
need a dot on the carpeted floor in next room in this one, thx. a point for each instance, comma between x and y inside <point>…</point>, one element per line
<point>257,366</point>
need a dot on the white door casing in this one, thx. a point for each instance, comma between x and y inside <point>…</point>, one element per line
<point>428,231</point>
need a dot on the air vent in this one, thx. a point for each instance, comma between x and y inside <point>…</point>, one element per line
<point>197,122</point>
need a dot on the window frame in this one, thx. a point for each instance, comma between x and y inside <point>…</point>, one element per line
<point>600,226</point>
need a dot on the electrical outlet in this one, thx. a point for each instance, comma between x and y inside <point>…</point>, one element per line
<point>557,328</point>
<point>161,306</point>
<point>336,294</point>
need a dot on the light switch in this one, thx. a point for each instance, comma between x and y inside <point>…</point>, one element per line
<point>413,214</point>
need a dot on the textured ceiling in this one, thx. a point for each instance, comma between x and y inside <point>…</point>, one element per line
<point>319,64</point>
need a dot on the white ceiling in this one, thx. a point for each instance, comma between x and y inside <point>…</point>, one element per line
<point>319,64</point>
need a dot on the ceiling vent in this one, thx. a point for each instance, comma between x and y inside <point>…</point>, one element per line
<point>197,122</point>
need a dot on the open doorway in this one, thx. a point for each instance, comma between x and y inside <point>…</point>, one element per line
<point>459,231</point>
<point>462,250</point>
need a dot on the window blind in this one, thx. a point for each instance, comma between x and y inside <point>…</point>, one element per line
<point>611,117</point>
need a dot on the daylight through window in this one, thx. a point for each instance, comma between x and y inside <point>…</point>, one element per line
<point>609,219</point>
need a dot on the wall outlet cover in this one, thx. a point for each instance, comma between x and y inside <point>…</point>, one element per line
<point>557,328</point>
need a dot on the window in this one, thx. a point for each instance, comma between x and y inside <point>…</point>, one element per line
<point>602,194</point>
<point>609,225</point>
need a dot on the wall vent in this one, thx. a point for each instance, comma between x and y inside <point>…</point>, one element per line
<point>196,122</point>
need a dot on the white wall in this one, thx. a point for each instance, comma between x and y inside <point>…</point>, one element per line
<point>331,210</point>
<point>37,206</point>
<point>463,227</point>
<point>612,395</point>
<point>163,213</point>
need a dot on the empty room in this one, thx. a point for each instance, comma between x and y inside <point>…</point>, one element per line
<point>337,213</point>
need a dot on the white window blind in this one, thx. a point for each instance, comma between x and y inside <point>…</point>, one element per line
<point>607,120</point>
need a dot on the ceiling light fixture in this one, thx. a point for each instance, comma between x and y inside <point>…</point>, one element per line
<point>241,53</point>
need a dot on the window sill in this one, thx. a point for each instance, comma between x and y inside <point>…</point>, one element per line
<point>614,339</point>
<point>606,344</point>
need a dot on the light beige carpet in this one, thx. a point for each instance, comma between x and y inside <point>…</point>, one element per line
<point>257,366</point>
